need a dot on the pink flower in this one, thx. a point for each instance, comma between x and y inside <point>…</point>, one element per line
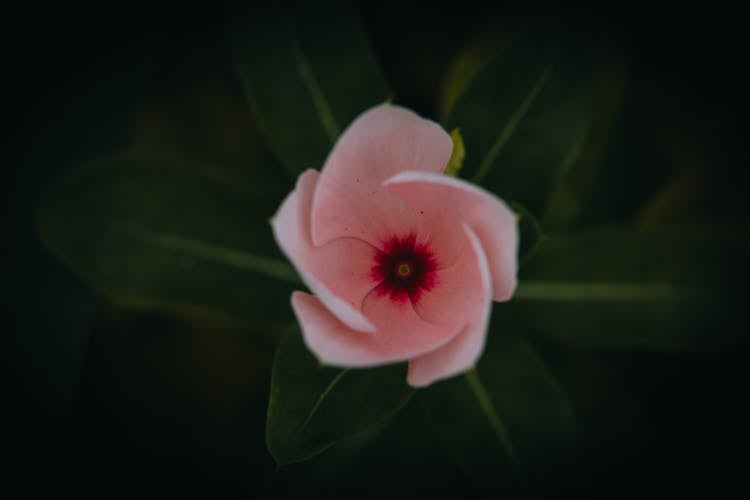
<point>403,261</point>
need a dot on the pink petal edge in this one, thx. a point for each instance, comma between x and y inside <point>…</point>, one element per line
<point>347,278</point>
<point>459,294</point>
<point>463,350</point>
<point>333,343</point>
<point>442,202</point>
<point>330,340</point>
<point>349,199</point>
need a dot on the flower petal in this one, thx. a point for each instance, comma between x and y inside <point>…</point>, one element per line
<point>442,203</point>
<point>460,292</point>
<point>338,272</point>
<point>401,334</point>
<point>463,350</point>
<point>350,199</point>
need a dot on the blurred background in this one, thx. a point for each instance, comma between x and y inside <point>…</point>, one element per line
<point>105,399</point>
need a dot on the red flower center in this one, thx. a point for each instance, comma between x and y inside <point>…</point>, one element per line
<point>404,269</point>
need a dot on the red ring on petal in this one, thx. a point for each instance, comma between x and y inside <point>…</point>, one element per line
<point>404,269</point>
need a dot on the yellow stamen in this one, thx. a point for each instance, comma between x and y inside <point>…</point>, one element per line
<point>404,270</point>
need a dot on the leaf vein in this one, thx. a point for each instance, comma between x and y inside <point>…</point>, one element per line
<point>322,397</point>
<point>313,87</point>
<point>510,127</point>
<point>215,253</point>
<point>571,291</point>
<point>485,403</point>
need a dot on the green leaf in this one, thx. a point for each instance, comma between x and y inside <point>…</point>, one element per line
<point>312,407</point>
<point>508,418</point>
<point>606,167</point>
<point>530,231</point>
<point>524,117</point>
<point>616,288</point>
<point>308,72</point>
<point>155,234</point>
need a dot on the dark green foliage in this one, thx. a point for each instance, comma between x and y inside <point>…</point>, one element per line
<point>304,84</point>
<point>312,407</point>
<point>524,117</point>
<point>181,222</point>
<point>153,233</point>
